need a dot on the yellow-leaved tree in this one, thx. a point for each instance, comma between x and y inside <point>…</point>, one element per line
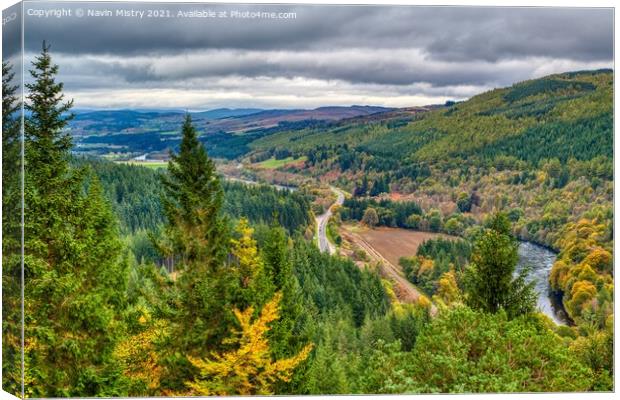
<point>246,253</point>
<point>249,369</point>
<point>447,288</point>
<point>140,359</point>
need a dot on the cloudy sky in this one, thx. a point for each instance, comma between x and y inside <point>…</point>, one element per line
<point>324,55</point>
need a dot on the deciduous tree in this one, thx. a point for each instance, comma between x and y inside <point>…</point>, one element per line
<point>249,368</point>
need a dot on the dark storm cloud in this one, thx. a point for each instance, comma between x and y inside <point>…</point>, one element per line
<point>389,67</point>
<point>119,35</point>
<point>11,32</point>
<point>378,48</point>
<point>448,33</point>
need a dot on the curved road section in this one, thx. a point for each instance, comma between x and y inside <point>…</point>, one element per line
<point>321,223</point>
<point>407,291</point>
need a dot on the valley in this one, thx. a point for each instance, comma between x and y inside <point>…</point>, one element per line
<point>354,201</point>
<point>387,208</point>
<point>441,169</point>
<point>383,247</point>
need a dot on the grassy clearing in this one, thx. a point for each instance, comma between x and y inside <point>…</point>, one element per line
<point>272,163</point>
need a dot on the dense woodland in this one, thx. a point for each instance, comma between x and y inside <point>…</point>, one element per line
<point>541,151</point>
<point>252,307</point>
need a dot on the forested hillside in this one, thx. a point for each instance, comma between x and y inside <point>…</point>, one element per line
<point>540,150</point>
<point>176,282</point>
<point>558,116</point>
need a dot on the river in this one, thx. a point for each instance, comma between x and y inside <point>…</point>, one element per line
<point>541,260</point>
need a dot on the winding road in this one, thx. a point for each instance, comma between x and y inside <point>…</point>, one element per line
<point>321,223</point>
<point>404,289</point>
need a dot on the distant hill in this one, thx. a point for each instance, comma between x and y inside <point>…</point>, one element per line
<point>225,113</point>
<point>271,118</point>
<point>102,122</point>
<point>225,131</point>
<point>565,115</point>
<point>562,116</point>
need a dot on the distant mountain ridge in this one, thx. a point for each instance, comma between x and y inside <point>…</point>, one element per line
<point>232,120</point>
<point>225,113</point>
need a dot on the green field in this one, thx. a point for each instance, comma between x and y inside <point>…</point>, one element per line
<point>272,163</point>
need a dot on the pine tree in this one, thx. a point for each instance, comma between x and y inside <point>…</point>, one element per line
<point>326,374</point>
<point>285,335</point>
<point>11,146</point>
<point>11,234</point>
<point>48,141</point>
<point>74,275</point>
<point>490,285</point>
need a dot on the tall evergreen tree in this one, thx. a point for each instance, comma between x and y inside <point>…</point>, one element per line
<point>48,140</point>
<point>192,203</point>
<point>285,335</point>
<point>199,241</point>
<point>10,125</point>
<point>11,163</point>
<point>489,280</point>
<point>11,234</point>
<point>74,277</point>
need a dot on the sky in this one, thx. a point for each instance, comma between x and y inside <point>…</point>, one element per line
<point>306,56</point>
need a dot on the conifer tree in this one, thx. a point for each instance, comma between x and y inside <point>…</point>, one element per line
<point>11,234</point>
<point>199,240</point>
<point>10,126</point>
<point>489,281</point>
<point>74,278</point>
<point>192,203</point>
<point>48,142</point>
<point>284,335</point>
<point>249,368</point>
<point>11,164</point>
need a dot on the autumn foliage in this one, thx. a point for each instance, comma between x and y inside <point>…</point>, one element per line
<point>249,368</point>
<point>583,271</point>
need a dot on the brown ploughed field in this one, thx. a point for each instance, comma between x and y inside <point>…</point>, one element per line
<point>394,243</point>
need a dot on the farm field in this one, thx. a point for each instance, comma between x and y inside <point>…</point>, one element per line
<point>394,243</point>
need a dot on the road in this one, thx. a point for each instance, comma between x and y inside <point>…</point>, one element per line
<point>404,290</point>
<point>321,223</point>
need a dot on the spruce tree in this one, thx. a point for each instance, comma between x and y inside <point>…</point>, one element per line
<point>74,278</point>
<point>192,203</point>
<point>11,234</point>
<point>10,125</point>
<point>199,242</point>
<point>285,335</point>
<point>48,141</point>
<point>489,280</point>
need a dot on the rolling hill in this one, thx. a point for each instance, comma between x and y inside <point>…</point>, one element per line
<point>237,120</point>
<point>564,115</point>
